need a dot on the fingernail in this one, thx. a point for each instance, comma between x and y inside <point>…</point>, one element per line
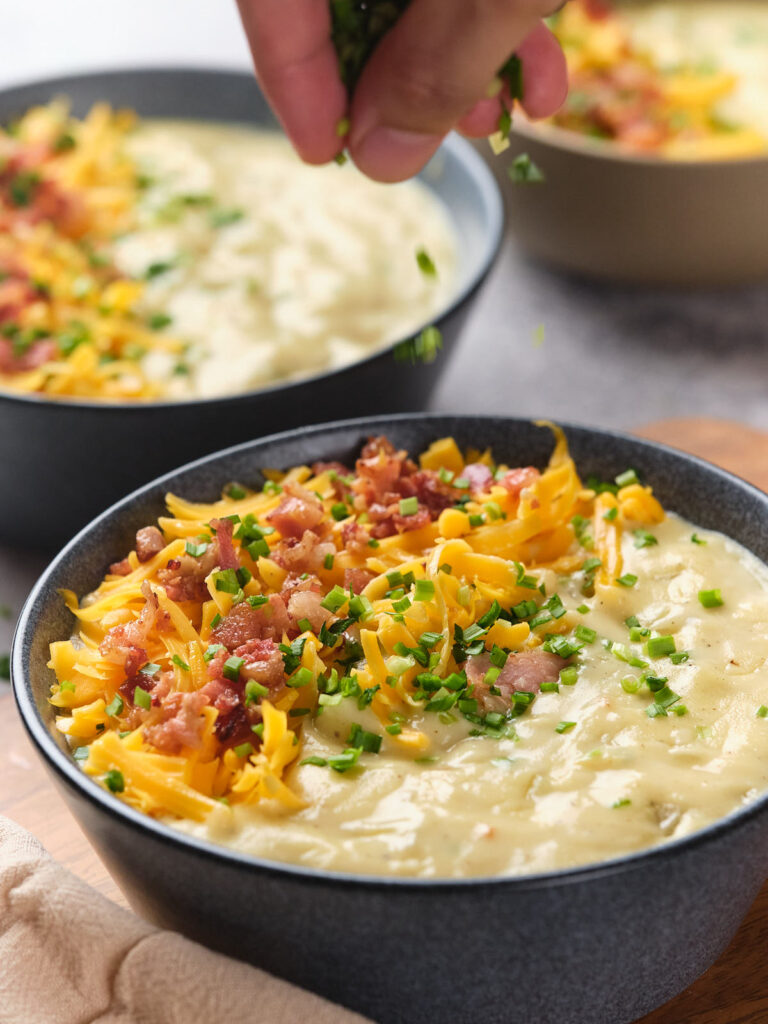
<point>391,154</point>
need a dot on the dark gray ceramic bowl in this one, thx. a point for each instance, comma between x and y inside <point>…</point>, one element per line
<point>602,944</point>
<point>86,455</point>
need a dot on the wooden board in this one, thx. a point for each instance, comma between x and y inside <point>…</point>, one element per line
<point>734,990</point>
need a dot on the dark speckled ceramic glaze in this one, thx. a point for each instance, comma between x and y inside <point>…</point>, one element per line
<point>602,944</point>
<point>86,455</point>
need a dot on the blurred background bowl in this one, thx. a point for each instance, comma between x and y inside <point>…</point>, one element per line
<point>605,213</point>
<point>63,461</point>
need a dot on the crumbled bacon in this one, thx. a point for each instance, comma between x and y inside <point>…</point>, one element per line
<point>357,580</point>
<point>222,549</point>
<point>305,555</point>
<point>526,670</point>
<point>121,568</point>
<point>263,663</point>
<point>339,471</point>
<point>516,480</point>
<point>244,623</point>
<point>300,510</point>
<point>306,604</point>
<point>354,538</point>
<point>39,352</point>
<point>184,579</point>
<point>126,644</point>
<point>149,542</point>
<point>479,475</point>
<point>181,724</point>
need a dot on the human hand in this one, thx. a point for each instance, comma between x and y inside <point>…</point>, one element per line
<point>430,73</point>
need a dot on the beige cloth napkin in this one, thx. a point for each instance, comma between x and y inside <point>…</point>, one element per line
<point>70,956</point>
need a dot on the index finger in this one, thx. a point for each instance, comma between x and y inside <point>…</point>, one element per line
<point>297,68</point>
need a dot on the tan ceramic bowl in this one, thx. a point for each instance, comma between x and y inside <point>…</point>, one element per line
<point>647,220</point>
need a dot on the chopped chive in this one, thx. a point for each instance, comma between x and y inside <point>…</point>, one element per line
<point>334,599</point>
<point>621,802</point>
<point>253,690</point>
<point>236,492</point>
<point>583,609</point>
<point>243,750</point>
<point>644,539</point>
<point>627,478</point>
<point>550,687</point>
<point>639,633</point>
<point>563,727</point>
<point>711,598</point>
<point>328,561</point>
<point>762,711</point>
<point>523,171</point>
<point>426,264</point>
<point>409,506</point>
<point>319,762</point>
<point>80,753</point>
<point>569,675</point>
<point>301,677</point>
<point>424,590</point>
<point>611,514</point>
<point>630,684</point>
<point>66,686</point>
<point>231,668</point>
<point>142,699</point>
<point>586,634</point>
<point>181,664</point>
<point>114,781</point>
<point>659,646</point>
<point>159,320</point>
<point>340,511</point>
<point>394,730</point>
<point>627,580</point>
<point>196,550</point>
<point>115,706</point>
<point>696,539</point>
<point>679,657</point>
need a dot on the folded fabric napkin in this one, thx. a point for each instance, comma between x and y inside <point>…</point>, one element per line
<point>70,956</point>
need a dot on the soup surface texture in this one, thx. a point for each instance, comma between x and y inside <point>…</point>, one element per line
<point>450,669</point>
<point>685,79</point>
<point>175,259</point>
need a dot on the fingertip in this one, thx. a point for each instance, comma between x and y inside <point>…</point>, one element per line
<point>390,155</point>
<point>482,119</point>
<point>545,73</point>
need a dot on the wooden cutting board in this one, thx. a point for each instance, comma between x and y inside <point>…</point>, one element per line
<point>733,991</point>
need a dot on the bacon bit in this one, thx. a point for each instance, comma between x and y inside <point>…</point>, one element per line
<point>16,291</point>
<point>222,549</point>
<point>524,671</point>
<point>244,623</point>
<point>298,512</point>
<point>184,578</point>
<point>404,524</point>
<point>516,480</point>
<point>432,493</point>
<point>126,643</point>
<point>305,555</point>
<point>263,663</point>
<point>357,580</point>
<point>149,542</point>
<point>354,538</point>
<point>181,725</point>
<point>121,568</point>
<point>305,604</point>
<point>479,475</point>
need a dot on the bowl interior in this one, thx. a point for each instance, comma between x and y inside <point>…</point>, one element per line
<point>707,496</point>
<point>456,174</point>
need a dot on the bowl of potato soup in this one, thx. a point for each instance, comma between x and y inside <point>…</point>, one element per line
<point>656,167</point>
<point>170,270</point>
<point>389,680</point>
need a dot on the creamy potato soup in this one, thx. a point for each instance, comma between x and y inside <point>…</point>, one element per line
<point>687,79</point>
<point>149,260</point>
<point>440,668</point>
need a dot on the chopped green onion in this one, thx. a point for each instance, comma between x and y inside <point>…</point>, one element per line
<point>630,684</point>
<point>231,668</point>
<point>334,599</point>
<point>328,561</point>
<point>659,646</point>
<point>243,750</point>
<point>301,677</point>
<point>426,264</point>
<point>644,539</point>
<point>696,539</point>
<point>320,762</point>
<point>569,675</point>
<point>358,737</point>
<point>115,706</point>
<point>611,514</point>
<point>196,550</point>
<point>711,598</point>
<point>627,580</point>
<point>142,699</point>
<point>583,609</point>
<point>679,657</point>
<point>550,687</point>
<point>409,506</point>
<point>236,492</point>
<point>80,753</point>
<point>424,590</point>
<point>627,478</point>
<point>638,634</point>
<point>621,802</point>
<point>394,730</point>
<point>340,511</point>
<point>586,634</point>
<point>181,664</point>
<point>253,690</point>
<point>762,711</point>
<point>114,780</point>
<point>563,727</point>
<point>523,171</point>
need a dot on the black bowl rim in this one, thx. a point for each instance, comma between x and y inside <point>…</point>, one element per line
<point>454,145</point>
<point>67,771</point>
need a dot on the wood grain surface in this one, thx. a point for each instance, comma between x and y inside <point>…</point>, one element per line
<point>733,991</point>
